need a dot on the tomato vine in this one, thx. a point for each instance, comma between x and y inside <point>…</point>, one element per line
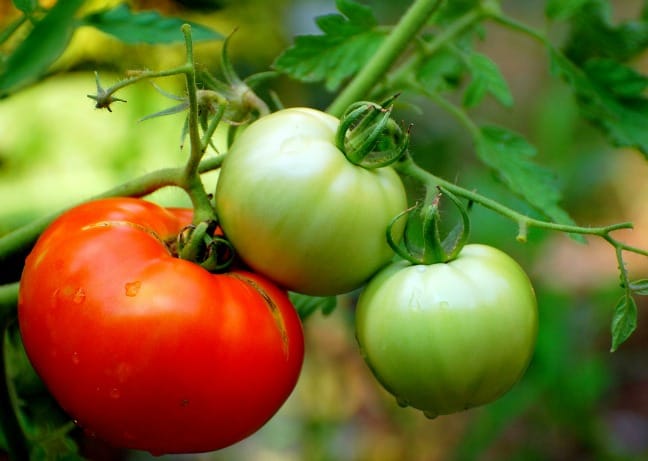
<point>368,135</point>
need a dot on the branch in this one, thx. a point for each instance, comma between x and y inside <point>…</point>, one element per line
<point>401,36</point>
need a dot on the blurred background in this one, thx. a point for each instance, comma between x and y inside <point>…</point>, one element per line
<point>577,401</point>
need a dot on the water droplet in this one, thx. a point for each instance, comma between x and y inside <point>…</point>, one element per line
<point>114,393</point>
<point>76,422</point>
<point>75,358</point>
<point>79,296</point>
<point>132,288</point>
<point>184,403</point>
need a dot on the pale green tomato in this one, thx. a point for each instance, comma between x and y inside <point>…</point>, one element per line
<point>297,211</point>
<point>446,337</point>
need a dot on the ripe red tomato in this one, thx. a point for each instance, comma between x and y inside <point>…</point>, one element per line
<point>146,350</point>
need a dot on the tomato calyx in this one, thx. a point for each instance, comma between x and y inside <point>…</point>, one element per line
<point>422,241</point>
<point>200,243</point>
<point>369,137</point>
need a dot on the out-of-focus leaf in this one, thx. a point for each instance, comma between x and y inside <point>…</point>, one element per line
<point>486,78</point>
<point>45,42</point>
<point>593,34</point>
<point>624,321</point>
<point>620,80</point>
<point>640,287</point>
<point>145,26</point>
<point>510,156</point>
<point>440,71</point>
<point>308,305</point>
<point>563,9</point>
<point>349,40</point>
<point>26,6</point>
<point>622,119</point>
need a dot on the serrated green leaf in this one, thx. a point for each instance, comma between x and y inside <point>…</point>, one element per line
<point>347,43</point>
<point>640,287</point>
<point>594,34</point>
<point>26,6</point>
<point>624,321</point>
<point>44,44</point>
<point>486,78</point>
<point>440,71</point>
<point>145,27</point>
<point>622,119</point>
<point>618,79</point>
<point>308,305</point>
<point>510,155</point>
<point>563,9</point>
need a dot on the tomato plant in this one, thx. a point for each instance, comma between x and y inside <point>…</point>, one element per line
<point>149,339</point>
<point>449,336</point>
<point>298,211</point>
<point>147,350</point>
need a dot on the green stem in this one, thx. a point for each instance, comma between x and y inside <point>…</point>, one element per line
<point>402,34</point>
<point>21,239</point>
<point>410,168</point>
<point>192,184</point>
<point>405,71</point>
<point>8,301</point>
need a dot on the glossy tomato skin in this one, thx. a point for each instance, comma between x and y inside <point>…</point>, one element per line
<point>148,351</point>
<point>299,212</point>
<point>446,337</point>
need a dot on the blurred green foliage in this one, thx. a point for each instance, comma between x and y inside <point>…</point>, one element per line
<point>576,402</point>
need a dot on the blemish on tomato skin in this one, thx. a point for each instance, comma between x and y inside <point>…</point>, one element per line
<point>79,296</point>
<point>132,288</point>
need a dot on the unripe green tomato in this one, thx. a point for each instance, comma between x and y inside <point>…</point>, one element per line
<point>446,337</point>
<point>298,212</point>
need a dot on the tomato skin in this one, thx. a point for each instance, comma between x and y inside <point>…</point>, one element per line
<point>148,351</point>
<point>447,337</point>
<point>299,212</point>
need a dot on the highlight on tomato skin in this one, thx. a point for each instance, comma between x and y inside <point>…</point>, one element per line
<point>148,351</point>
<point>446,337</point>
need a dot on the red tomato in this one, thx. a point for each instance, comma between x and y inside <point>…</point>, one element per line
<point>146,350</point>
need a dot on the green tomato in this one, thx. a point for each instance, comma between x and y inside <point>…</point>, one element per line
<point>298,212</point>
<point>447,337</point>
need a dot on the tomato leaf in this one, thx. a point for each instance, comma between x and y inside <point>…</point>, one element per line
<point>605,101</point>
<point>348,41</point>
<point>145,27</point>
<point>308,305</point>
<point>26,6</point>
<point>41,420</point>
<point>593,33</point>
<point>486,78</point>
<point>563,9</point>
<point>640,287</point>
<point>510,156</point>
<point>40,48</point>
<point>624,321</point>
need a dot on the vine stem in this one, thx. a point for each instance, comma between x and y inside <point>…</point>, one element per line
<point>192,183</point>
<point>21,239</point>
<point>408,167</point>
<point>401,36</point>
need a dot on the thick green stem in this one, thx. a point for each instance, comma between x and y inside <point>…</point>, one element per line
<point>192,184</point>
<point>406,29</point>
<point>405,71</point>
<point>21,239</point>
